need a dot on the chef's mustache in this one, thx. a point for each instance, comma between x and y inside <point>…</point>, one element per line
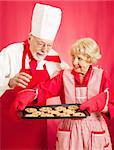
<point>41,53</point>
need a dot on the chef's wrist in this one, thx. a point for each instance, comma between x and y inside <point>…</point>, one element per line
<point>10,85</point>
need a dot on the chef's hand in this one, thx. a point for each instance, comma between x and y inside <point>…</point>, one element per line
<point>21,79</point>
<point>23,98</point>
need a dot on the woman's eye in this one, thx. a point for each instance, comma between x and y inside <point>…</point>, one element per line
<point>79,58</point>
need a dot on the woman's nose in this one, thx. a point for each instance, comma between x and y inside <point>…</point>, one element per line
<point>76,61</point>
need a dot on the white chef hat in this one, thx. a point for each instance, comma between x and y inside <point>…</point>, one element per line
<point>45,21</point>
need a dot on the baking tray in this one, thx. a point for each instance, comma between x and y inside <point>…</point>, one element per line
<point>54,112</point>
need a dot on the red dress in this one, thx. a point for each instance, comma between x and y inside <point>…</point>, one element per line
<point>90,133</point>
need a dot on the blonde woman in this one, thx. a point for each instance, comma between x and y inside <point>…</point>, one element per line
<point>84,84</point>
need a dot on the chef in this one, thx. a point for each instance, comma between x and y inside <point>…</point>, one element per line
<point>23,66</point>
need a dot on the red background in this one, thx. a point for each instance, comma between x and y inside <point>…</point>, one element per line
<point>80,19</point>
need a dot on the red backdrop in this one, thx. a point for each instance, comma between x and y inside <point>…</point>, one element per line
<point>80,19</point>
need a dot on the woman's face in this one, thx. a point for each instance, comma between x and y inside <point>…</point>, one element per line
<point>39,47</point>
<point>80,63</point>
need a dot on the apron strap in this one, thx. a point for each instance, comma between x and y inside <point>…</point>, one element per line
<point>53,58</point>
<point>33,65</point>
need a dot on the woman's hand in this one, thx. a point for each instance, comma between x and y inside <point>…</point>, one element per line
<point>95,104</point>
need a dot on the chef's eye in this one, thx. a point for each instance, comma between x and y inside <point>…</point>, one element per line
<point>40,44</point>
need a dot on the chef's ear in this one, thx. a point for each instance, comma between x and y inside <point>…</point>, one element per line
<point>29,37</point>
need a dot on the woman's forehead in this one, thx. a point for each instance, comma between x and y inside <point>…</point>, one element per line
<point>78,53</point>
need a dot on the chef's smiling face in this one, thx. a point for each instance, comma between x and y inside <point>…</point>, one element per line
<point>39,47</point>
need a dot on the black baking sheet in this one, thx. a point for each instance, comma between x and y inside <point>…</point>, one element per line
<point>29,115</point>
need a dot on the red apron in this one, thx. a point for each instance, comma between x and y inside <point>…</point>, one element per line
<point>23,134</point>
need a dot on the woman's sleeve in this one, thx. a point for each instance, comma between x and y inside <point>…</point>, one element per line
<point>106,88</point>
<point>51,88</point>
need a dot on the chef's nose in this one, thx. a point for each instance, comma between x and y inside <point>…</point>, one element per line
<point>44,47</point>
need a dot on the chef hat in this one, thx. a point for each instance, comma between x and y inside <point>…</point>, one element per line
<point>45,21</point>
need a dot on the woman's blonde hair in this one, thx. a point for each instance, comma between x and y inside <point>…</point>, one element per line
<point>87,47</point>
